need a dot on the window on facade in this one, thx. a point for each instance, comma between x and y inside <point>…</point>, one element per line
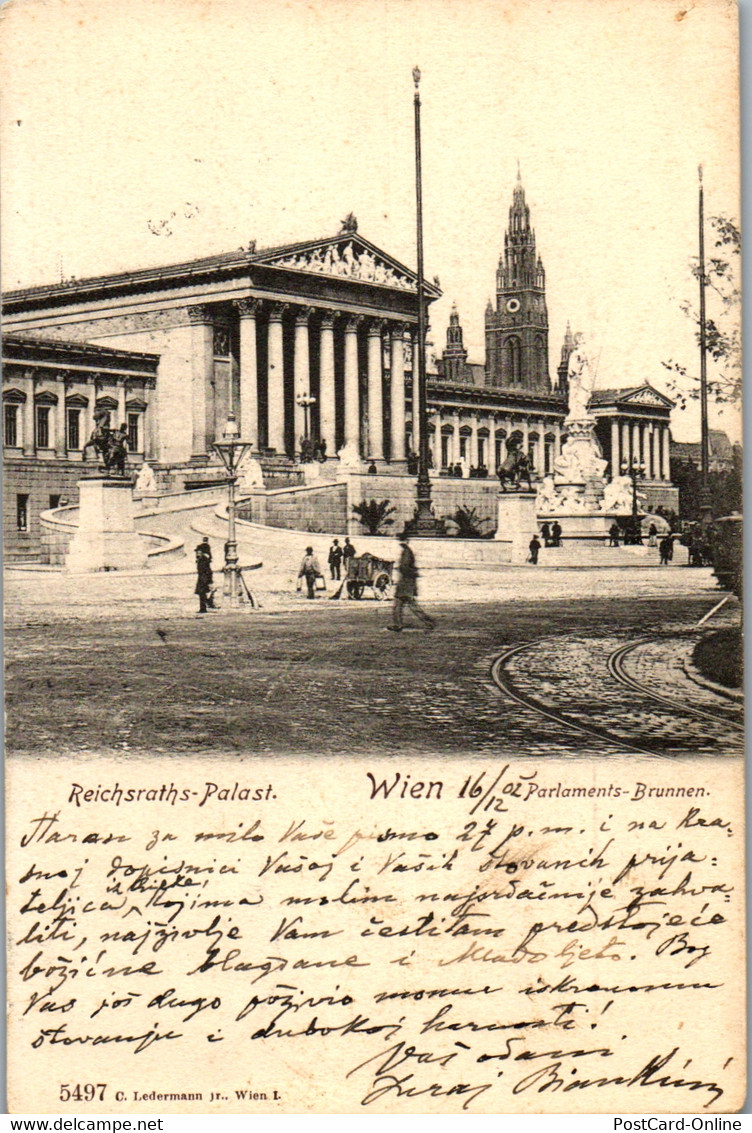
<point>54,501</point>
<point>444,451</point>
<point>481,451</point>
<point>43,426</point>
<point>22,512</point>
<point>10,425</point>
<point>513,359</point>
<point>463,448</point>
<point>74,429</point>
<point>499,451</point>
<point>134,439</point>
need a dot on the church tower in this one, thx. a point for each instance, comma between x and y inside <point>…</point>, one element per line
<point>517,329</point>
<point>454,355</point>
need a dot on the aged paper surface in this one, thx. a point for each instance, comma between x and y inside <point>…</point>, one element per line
<point>457,937</point>
<point>272,858</point>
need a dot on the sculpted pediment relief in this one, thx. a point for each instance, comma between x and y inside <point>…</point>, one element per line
<point>347,260</point>
<point>646,396</point>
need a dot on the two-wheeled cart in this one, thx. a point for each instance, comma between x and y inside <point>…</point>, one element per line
<point>366,572</point>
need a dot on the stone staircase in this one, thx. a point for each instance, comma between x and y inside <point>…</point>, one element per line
<point>596,554</point>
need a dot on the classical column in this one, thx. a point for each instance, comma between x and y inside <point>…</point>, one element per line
<point>615,457</point>
<point>247,309</point>
<point>665,465</point>
<point>455,437</point>
<point>375,392</point>
<point>28,430</point>
<point>557,441</point>
<point>541,457</point>
<point>636,454</point>
<point>397,393</point>
<point>473,458</point>
<point>327,416</point>
<point>646,449</point>
<point>150,425</point>
<point>626,455</point>
<point>301,370</point>
<point>121,415</point>
<point>525,435</point>
<point>202,363</point>
<point>60,440</point>
<point>491,462</point>
<point>352,399</point>
<point>656,453</point>
<point>276,383</point>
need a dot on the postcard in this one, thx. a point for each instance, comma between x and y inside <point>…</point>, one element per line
<point>372,557</point>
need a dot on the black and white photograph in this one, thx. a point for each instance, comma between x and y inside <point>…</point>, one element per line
<point>372,504</point>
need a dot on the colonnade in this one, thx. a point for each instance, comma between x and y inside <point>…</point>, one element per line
<point>487,437</point>
<point>647,443</point>
<point>59,394</point>
<point>308,323</point>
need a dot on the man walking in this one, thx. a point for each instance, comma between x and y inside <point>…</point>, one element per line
<point>204,576</point>
<point>534,548</point>
<point>335,559</point>
<point>406,592</point>
<point>310,570</point>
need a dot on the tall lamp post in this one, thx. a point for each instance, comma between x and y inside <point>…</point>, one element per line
<point>232,451</point>
<point>635,471</point>
<point>705,507</point>
<point>425,520</point>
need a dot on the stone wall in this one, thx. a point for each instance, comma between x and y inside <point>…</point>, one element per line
<point>39,480</point>
<point>447,495</point>
<point>319,509</point>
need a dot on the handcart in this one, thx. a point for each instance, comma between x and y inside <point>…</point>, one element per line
<point>366,572</point>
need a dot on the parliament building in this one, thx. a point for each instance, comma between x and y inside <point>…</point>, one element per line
<point>314,338</point>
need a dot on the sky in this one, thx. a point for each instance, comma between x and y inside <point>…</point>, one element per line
<point>160,130</point>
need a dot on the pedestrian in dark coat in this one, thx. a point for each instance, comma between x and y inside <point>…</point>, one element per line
<point>546,534</point>
<point>534,547</point>
<point>667,550</point>
<point>556,533</point>
<point>406,591</point>
<point>348,552</point>
<point>335,559</point>
<point>204,576</point>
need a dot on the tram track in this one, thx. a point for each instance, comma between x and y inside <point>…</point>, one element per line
<point>617,670</point>
<point>505,683</point>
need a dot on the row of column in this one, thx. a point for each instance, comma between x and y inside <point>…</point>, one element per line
<point>647,443</point>
<point>248,309</point>
<point>538,429</point>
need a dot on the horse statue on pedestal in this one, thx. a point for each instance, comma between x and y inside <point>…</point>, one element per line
<point>110,444</point>
<point>515,468</point>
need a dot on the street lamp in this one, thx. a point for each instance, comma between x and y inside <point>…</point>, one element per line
<point>305,401</point>
<point>635,471</point>
<point>232,452</point>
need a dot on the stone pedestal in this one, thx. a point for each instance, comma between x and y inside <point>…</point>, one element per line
<point>106,538</point>
<point>516,522</point>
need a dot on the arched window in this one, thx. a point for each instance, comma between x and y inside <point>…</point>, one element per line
<point>540,359</point>
<point>513,349</point>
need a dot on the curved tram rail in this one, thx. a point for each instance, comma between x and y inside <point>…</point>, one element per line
<point>616,668</point>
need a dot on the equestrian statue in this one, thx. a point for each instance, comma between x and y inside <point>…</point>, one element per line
<point>110,444</point>
<point>515,468</point>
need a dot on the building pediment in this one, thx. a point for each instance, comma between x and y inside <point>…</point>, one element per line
<point>646,395</point>
<point>347,256</point>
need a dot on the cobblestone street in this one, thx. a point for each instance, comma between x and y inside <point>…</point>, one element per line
<point>123,665</point>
